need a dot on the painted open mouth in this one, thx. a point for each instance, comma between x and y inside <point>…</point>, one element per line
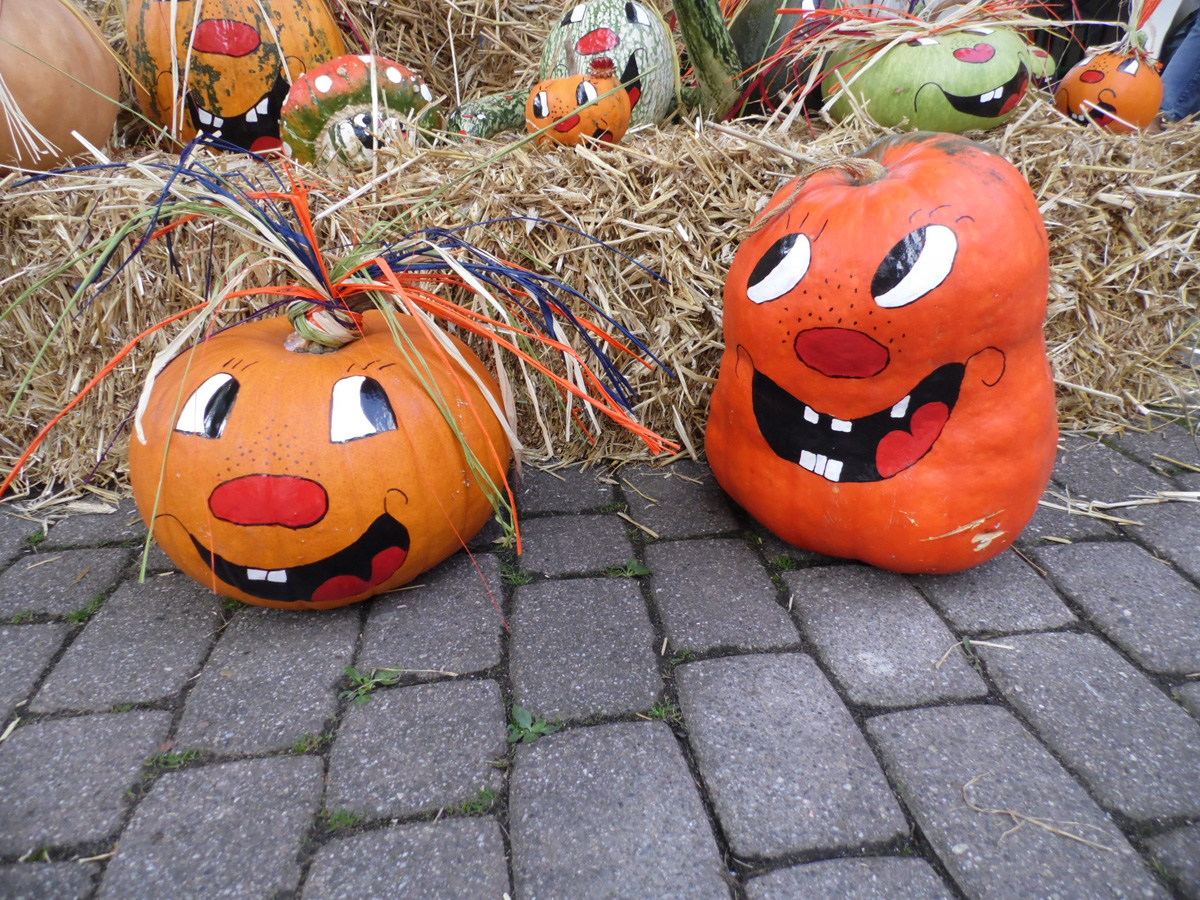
<point>369,561</point>
<point>995,102</point>
<point>1099,112</point>
<point>256,129</point>
<point>869,448</point>
<point>632,79</point>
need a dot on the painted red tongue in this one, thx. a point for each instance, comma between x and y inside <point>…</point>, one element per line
<point>1012,101</point>
<point>385,564</point>
<point>266,145</point>
<point>900,449</point>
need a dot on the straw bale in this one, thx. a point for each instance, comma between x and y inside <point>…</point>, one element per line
<point>1121,212</point>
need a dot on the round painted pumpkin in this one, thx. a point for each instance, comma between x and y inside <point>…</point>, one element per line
<point>239,63</point>
<point>884,394</point>
<point>951,81</point>
<point>340,112</point>
<point>310,481</point>
<point>61,75</point>
<point>576,107</point>
<point>1117,91</point>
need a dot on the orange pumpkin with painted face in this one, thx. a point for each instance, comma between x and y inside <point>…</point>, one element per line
<point>239,63</point>
<point>885,394</point>
<point>1120,92</point>
<point>310,481</point>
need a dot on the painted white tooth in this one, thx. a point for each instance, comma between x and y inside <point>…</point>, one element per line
<point>218,122</point>
<point>901,408</point>
<point>819,468</point>
<point>279,576</point>
<point>252,116</point>
<point>205,116</point>
<point>264,106</point>
<point>840,425</point>
<point>833,470</point>
<point>808,460</point>
<point>811,415</point>
<point>256,574</point>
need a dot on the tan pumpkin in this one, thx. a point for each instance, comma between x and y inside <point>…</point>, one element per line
<point>62,77</point>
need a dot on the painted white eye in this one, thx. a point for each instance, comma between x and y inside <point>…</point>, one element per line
<point>1129,66</point>
<point>925,41</point>
<point>207,410</point>
<point>780,268</point>
<point>574,15</point>
<point>915,266</point>
<point>541,105</point>
<point>636,14</point>
<point>360,409</point>
<point>585,93</point>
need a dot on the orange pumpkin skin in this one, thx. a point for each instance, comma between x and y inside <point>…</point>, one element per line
<point>605,120</point>
<point>238,74</point>
<point>61,74</point>
<point>1111,89</point>
<point>889,399</point>
<point>302,478</point>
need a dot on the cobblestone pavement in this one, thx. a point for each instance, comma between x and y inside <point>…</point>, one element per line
<point>739,719</point>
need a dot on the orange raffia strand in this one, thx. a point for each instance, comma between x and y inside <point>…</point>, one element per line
<point>86,389</point>
<point>182,220</point>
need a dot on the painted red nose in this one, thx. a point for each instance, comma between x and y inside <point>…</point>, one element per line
<point>980,53</point>
<point>270,500</point>
<point>1091,76</point>
<point>598,41</point>
<point>841,353</point>
<point>225,37</point>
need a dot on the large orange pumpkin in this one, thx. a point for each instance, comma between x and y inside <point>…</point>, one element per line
<point>62,77</point>
<point>885,394</point>
<point>302,480</point>
<point>239,64</point>
<point>1118,91</point>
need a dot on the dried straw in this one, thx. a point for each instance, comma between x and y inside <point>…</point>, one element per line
<point>1121,211</point>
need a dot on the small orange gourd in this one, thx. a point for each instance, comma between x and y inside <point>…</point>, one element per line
<point>1120,92</point>
<point>563,103</point>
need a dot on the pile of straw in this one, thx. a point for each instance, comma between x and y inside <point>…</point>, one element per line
<point>1122,213</point>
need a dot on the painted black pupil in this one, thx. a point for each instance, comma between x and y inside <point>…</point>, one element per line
<point>581,94</point>
<point>216,411</point>
<point>631,12</point>
<point>376,407</point>
<point>765,266</point>
<point>898,262</point>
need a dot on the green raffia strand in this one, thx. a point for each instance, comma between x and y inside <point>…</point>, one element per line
<point>297,314</point>
<point>497,497</point>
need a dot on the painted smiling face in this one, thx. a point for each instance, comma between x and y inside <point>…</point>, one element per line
<point>633,36</point>
<point>884,393</point>
<point>310,481</point>
<point>1117,92</point>
<point>239,65</point>
<point>955,81</point>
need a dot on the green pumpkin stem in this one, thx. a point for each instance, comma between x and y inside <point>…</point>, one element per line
<point>712,54</point>
<point>319,329</point>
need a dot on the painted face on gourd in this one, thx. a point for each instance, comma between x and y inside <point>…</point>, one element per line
<point>1117,92</point>
<point>239,64</point>
<point>952,81</point>
<point>578,106</point>
<point>303,480</point>
<point>884,393</point>
<point>633,36</point>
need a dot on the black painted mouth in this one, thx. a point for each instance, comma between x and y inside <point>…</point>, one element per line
<point>998,101</point>
<point>260,123</point>
<point>632,79</point>
<point>869,448</point>
<point>369,561</point>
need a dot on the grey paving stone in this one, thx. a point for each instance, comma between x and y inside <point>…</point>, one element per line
<point>450,624</point>
<point>1138,601</point>
<point>566,490</point>
<point>64,781</point>
<point>218,832</point>
<point>716,593</point>
<point>932,755</point>
<point>415,749</point>
<point>270,680</point>
<point>1172,530</point>
<point>143,645</point>
<point>24,652</point>
<point>58,582</point>
<point>1163,448</point>
<point>1189,696</point>
<point>1003,595</point>
<point>1179,853</point>
<point>573,545</point>
<point>879,637</point>
<point>489,537</point>
<point>1060,522</point>
<point>678,501</point>
<point>582,648</point>
<point>1092,471</point>
<point>15,533</point>
<point>610,813</point>
<point>453,859</point>
<point>786,767</point>
<point>1138,751</point>
<point>872,878</point>
<point>124,523</point>
<point>775,549</point>
<point>47,881</point>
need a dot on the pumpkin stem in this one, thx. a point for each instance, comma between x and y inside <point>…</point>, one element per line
<point>321,329</point>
